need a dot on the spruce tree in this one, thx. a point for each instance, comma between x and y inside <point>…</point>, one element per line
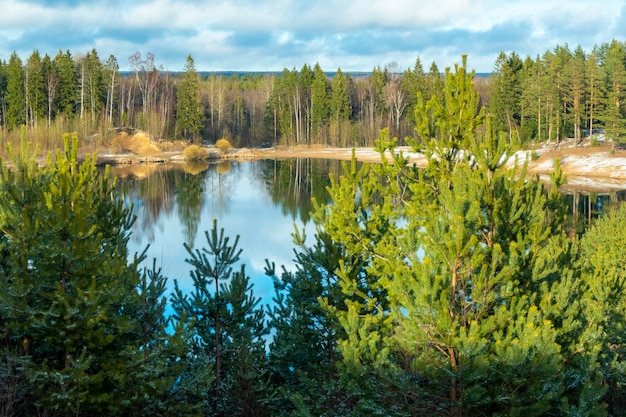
<point>340,108</point>
<point>320,108</point>
<point>414,82</point>
<point>68,83</point>
<point>505,100</point>
<point>615,86</point>
<point>92,85</point>
<point>189,112</point>
<point>35,91</point>
<point>15,96</point>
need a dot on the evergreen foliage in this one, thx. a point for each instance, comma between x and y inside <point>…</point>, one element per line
<point>82,327</point>
<point>35,93</point>
<point>189,114</point>
<point>320,108</point>
<point>15,96</point>
<point>505,102</point>
<point>558,94</point>
<point>615,81</point>
<point>461,290</point>
<point>303,351</point>
<point>227,327</point>
<point>450,290</point>
<point>68,83</point>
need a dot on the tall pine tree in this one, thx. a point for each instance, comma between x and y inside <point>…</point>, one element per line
<point>189,112</point>
<point>15,96</point>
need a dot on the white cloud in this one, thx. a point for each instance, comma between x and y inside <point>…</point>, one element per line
<point>270,35</point>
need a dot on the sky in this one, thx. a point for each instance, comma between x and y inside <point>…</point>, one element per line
<point>270,35</point>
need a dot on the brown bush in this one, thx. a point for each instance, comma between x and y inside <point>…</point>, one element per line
<point>223,145</point>
<point>195,153</point>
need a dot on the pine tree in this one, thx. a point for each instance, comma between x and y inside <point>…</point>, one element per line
<point>68,85</point>
<point>226,326</point>
<point>15,96</point>
<point>92,85</point>
<point>533,100</point>
<point>3,92</point>
<point>189,112</point>
<point>460,285</point>
<point>551,84</point>
<point>76,314</point>
<point>111,78</point>
<point>574,89</point>
<point>320,108</point>
<point>594,90</point>
<point>35,92</point>
<point>614,70</point>
<point>447,124</point>
<point>303,351</point>
<point>305,100</point>
<point>603,285</point>
<point>504,103</point>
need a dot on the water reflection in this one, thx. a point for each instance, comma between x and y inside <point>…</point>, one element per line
<point>292,184</point>
<point>584,206</point>
<point>261,201</point>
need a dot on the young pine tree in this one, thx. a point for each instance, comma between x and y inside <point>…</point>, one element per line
<point>459,282</point>
<point>76,315</point>
<point>303,352</point>
<point>226,327</point>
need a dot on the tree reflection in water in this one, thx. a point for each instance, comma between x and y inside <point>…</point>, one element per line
<point>261,201</point>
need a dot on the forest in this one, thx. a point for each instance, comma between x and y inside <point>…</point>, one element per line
<point>561,93</point>
<point>454,290</point>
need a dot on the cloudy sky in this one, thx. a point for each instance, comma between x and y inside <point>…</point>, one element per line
<point>269,35</point>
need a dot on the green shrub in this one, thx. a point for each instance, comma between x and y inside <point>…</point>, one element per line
<point>594,142</point>
<point>195,153</point>
<point>223,145</point>
<point>534,155</point>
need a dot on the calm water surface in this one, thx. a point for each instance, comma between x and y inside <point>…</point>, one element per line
<point>260,201</point>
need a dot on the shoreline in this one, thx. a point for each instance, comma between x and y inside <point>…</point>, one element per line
<point>591,169</point>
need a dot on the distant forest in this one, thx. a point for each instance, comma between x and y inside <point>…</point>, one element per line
<point>560,93</point>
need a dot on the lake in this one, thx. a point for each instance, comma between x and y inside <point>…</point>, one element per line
<point>260,201</point>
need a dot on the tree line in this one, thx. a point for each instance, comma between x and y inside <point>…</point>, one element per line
<point>559,94</point>
<point>453,290</point>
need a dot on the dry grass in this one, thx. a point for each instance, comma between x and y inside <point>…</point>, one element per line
<point>138,143</point>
